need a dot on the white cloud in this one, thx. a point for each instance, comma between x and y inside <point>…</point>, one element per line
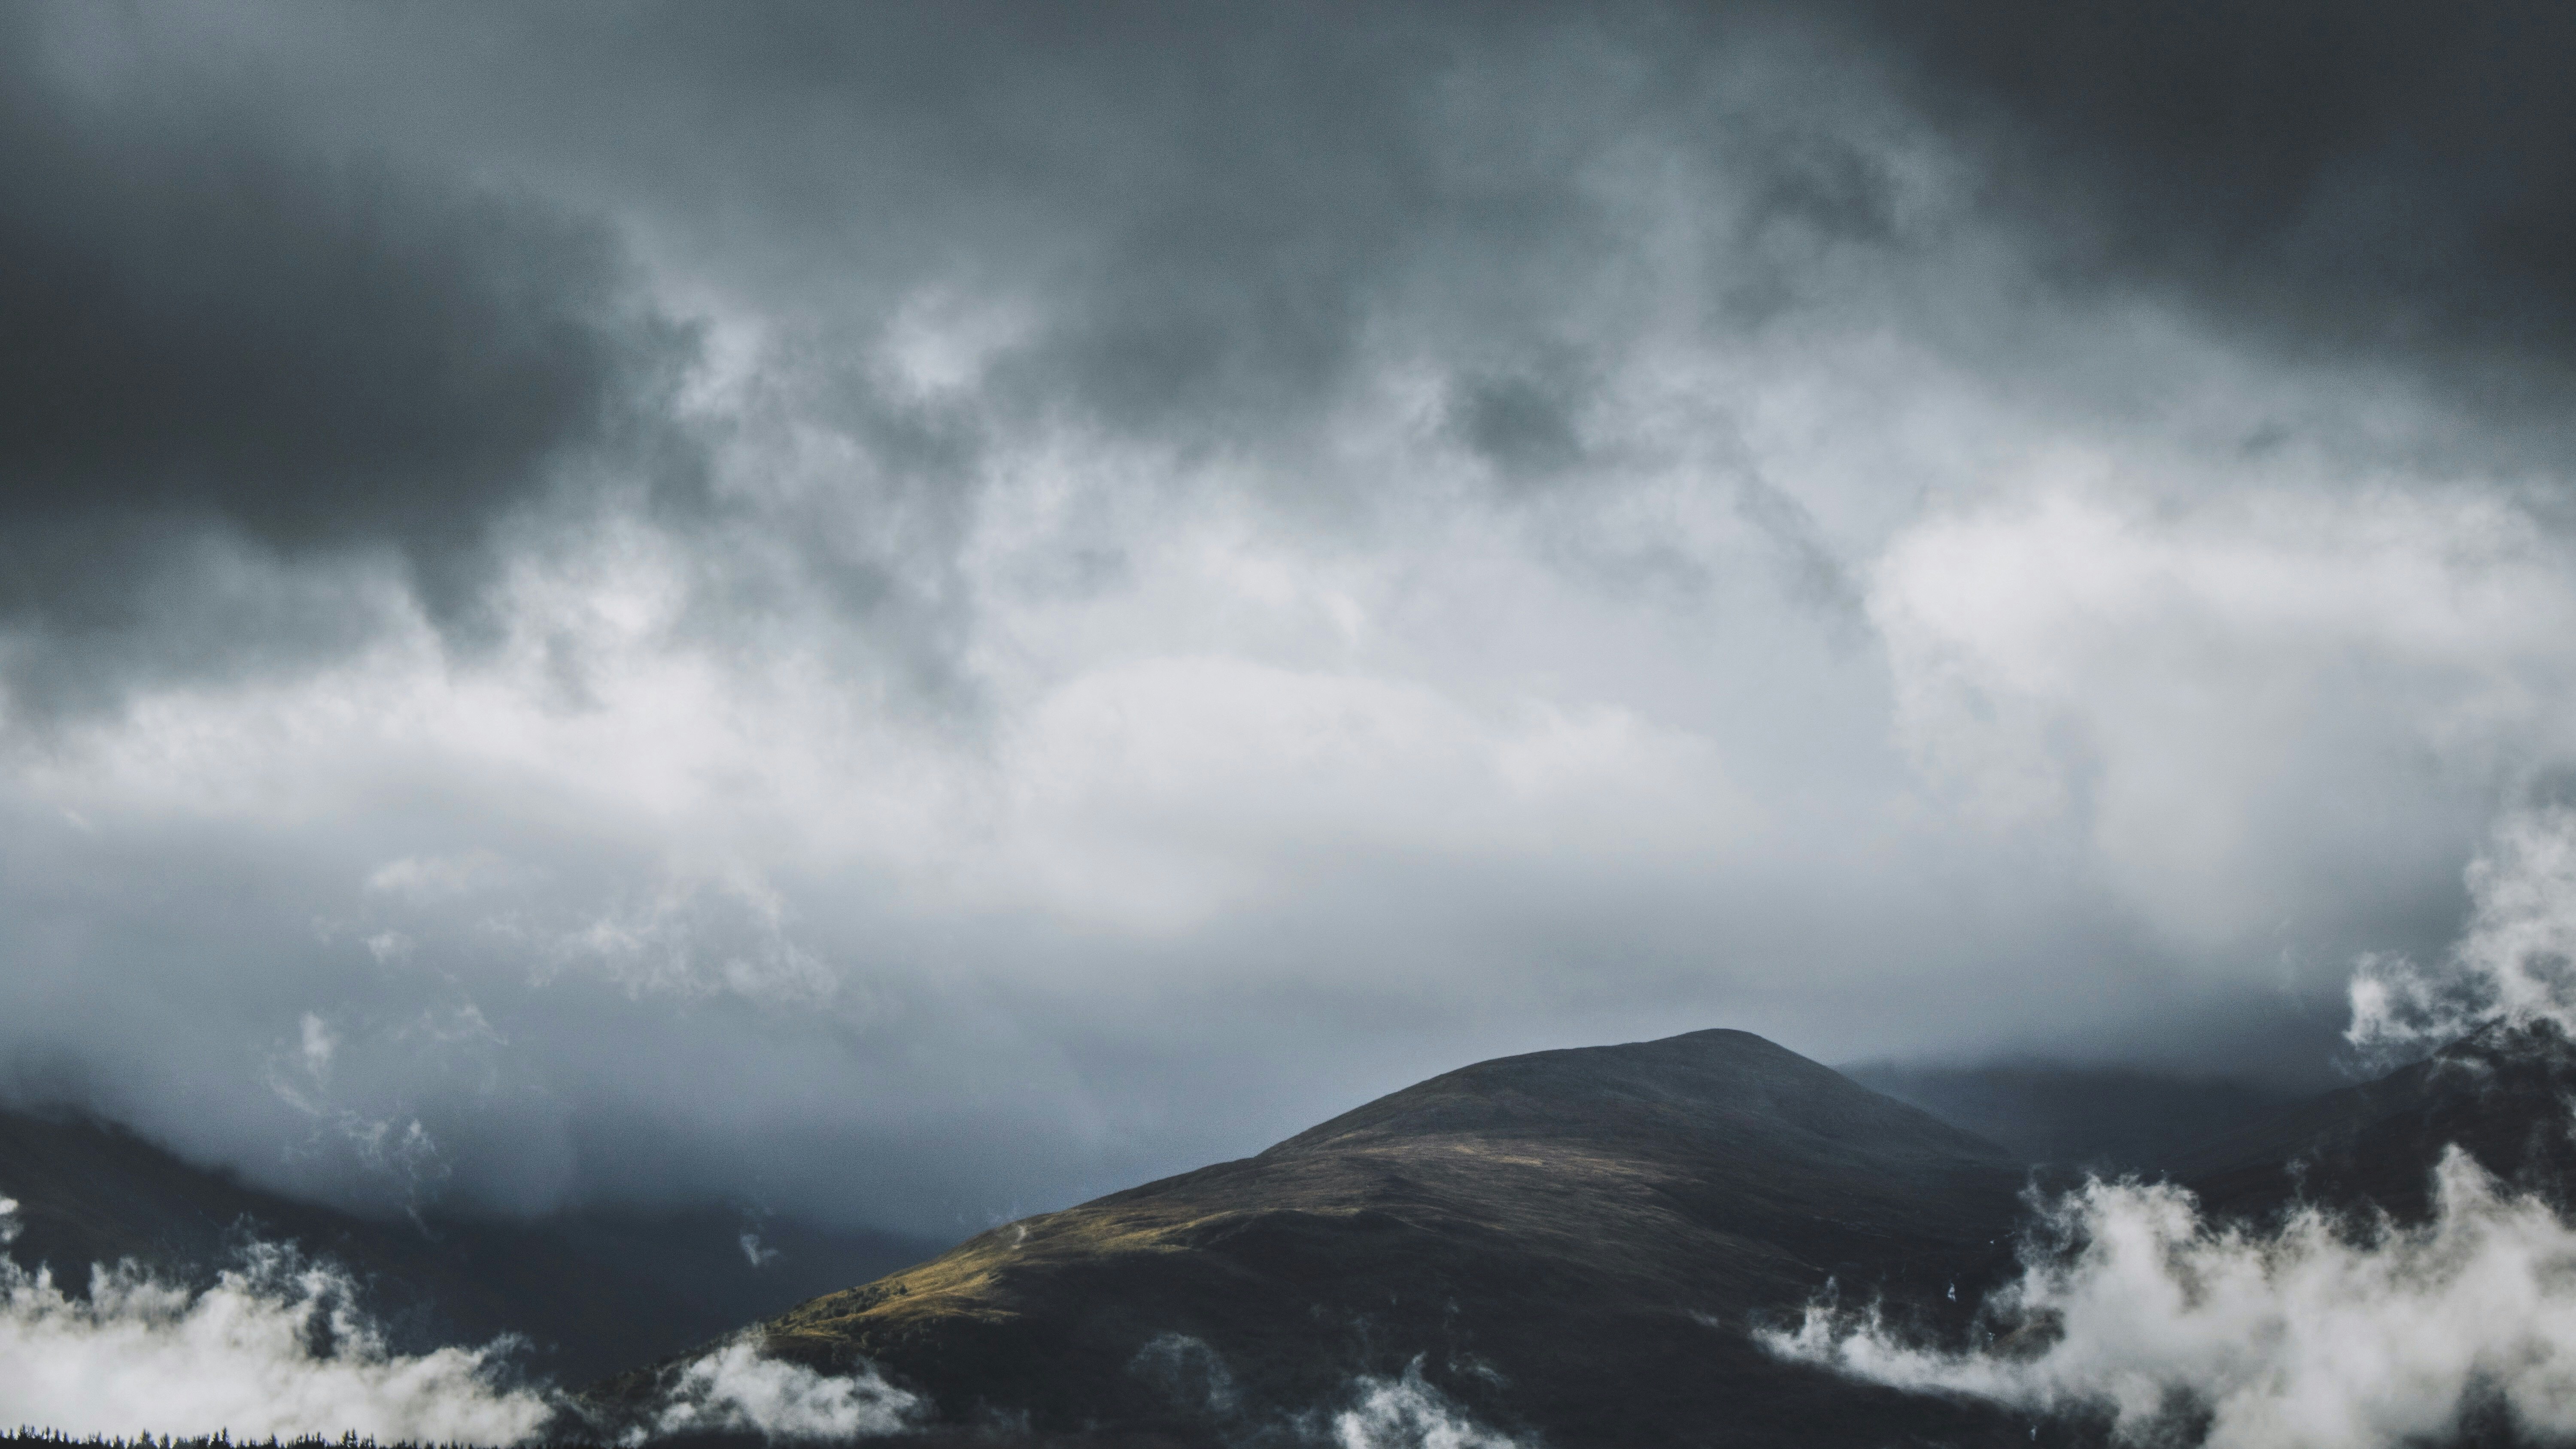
<point>2321,1335</point>
<point>432,879</point>
<point>736,1389</point>
<point>1409,1413</point>
<point>2209,686</point>
<point>242,1355</point>
<point>277,1345</point>
<point>318,1046</point>
<point>2516,964</point>
<point>1161,792</point>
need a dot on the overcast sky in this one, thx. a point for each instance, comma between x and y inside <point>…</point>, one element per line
<point>914,613</point>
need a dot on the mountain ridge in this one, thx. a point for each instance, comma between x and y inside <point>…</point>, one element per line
<point>1572,1244</point>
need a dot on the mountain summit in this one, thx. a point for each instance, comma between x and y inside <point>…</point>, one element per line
<point>1577,1243</point>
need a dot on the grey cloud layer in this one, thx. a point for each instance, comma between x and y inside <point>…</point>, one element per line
<point>727,600</point>
<point>224,333</point>
<point>1213,226</point>
<point>2391,177</point>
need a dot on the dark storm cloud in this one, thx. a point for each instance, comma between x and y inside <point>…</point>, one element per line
<point>2394,178</point>
<point>1224,208</point>
<point>227,344</point>
<point>1216,211</point>
<point>1206,200</point>
<point>1211,230</point>
<point>1526,426</point>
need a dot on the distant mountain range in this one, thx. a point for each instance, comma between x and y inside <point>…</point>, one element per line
<point>2107,1119</point>
<point>2504,1095</point>
<point>592,1292</point>
<point>1571,1247</point>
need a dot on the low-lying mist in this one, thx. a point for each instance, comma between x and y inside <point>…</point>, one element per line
<point>278,1345</point>
<point>2134,1306</point>
<point>274,1346</point>
<point>735,1389</point>
<point>2337,1330</point>
<point>1377,1411</point>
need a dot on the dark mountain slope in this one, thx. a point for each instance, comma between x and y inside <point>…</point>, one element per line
<point>592,1291</point>
<point>2501,1094</point>
<point>1575,1243</point>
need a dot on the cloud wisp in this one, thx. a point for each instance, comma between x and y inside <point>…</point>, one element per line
<point>1375,1411</point>
<point>1407,1412</point>
<point>736,1389</point>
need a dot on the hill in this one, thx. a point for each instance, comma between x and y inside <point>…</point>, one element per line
<point>1574,1244</point>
